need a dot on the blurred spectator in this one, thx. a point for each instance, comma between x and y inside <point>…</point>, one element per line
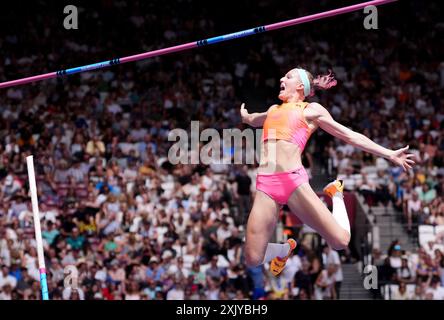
<point>324,288</point>
<point>401,293</point>
<point>302,279</point>
<point>331,257</point>
<point>243,194</point>
<point>414,208</point>
<point>404,274</point>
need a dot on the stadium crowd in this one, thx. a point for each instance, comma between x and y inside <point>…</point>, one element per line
<point>137,227</point>
<point>405,275</point>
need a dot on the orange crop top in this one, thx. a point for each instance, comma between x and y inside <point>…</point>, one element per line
<point>287,122</point>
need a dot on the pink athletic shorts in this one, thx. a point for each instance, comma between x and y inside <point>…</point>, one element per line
<point>280,185</point>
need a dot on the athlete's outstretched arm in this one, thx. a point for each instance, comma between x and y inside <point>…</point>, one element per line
<point>321,117</point>
<point>253,119</point>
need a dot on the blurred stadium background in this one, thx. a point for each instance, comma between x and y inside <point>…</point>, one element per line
<point>137,227</point>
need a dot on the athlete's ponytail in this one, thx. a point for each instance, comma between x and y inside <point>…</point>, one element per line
<point>322,82</point>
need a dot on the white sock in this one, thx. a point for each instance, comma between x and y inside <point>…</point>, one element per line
<point>340,212</point>
<point>276,250</point>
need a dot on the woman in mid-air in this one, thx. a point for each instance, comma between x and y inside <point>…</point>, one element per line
<point>282,179</point>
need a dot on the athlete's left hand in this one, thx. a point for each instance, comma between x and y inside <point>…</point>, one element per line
<point>401,158</point>
<point>244,114</point>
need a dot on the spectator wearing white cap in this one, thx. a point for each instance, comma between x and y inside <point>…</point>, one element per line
<point>10,186</point>
<point>154,270</point>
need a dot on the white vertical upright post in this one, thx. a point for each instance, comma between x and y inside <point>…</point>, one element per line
<point>38,231</point>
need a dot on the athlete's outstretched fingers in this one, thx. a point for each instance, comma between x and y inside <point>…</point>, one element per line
<point>260,226</point>
<point>404,150</point>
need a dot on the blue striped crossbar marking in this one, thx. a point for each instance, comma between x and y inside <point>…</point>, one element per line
<point>89,67</point>
<point>240,34</point>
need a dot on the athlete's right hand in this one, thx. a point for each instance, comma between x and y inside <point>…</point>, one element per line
<point>244,113</point>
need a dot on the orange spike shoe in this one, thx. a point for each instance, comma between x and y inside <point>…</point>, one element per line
<point>333,187</point>
<point>278,263</point>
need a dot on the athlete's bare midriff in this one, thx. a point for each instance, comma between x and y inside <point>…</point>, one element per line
<point>279,156</point>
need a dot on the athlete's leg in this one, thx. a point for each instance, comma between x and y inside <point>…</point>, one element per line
<point>260,226</point>
<point>312,211</point>
<point>335,191</point>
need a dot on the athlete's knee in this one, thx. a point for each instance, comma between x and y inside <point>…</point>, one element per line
<point>340,241</point>
<point>253,259</point>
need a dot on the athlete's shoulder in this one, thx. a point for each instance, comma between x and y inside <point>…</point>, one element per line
<point>315,110</point>
<point>316,107</point>
<point>273,107</point>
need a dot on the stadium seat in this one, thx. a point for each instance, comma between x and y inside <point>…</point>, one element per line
<point>426,229</point>
<point>439,229</point>
<point>424,238</point>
